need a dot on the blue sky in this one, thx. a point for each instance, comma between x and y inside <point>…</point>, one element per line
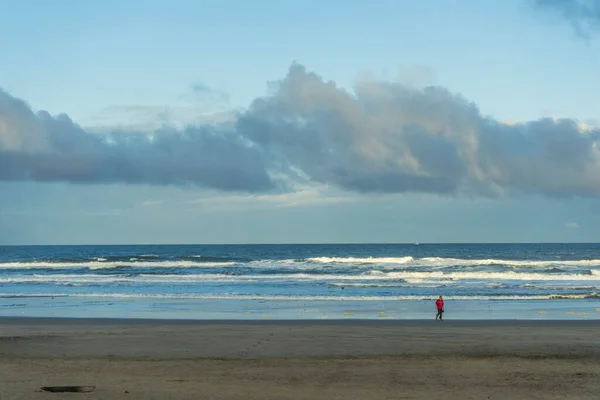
<point>402,172</point>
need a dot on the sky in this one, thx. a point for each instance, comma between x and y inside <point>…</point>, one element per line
<point>295,121</point>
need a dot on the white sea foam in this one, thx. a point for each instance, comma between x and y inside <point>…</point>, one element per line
<point>431,275</point>
<point>439,261</point>
<point>370,277</point>
<point>143,278</point>
<point>452,262</point>
<point>389,262</point>
<point>368,260</point>
<point>376,285</point>
<point>498,276</point>
<point>575,296</point>
<point>74,279</point>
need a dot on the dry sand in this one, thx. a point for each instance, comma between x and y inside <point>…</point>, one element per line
<point>140,359</point>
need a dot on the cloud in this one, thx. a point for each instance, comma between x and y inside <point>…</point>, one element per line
<point>107,213</point>
<point>572,225</point>
<point>318,195</point>
<point>75,213</point>
<point>125,118</point>
<point>207,94</point>
<point>583,15</point>
<point>380,137</point>
<point>41,147</point>
<point>388,137</point>
<point>418,75</point>
<point>151,203</point>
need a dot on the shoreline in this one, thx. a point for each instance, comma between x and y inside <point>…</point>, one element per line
<point>257,310</point>
<point>63,321</point>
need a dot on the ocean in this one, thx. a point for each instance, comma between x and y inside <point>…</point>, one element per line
<point>328,281</point>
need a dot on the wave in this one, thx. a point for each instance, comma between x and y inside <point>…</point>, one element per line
<point>451,262</point>
<point>354,260</point>
<point>199,258</point>
<point>498,276</point>
<point>574,296</point>
<point>377,285</point>
<point>372,278</point>
<point>394,263</point>
<point>106,279</point>
<point>513,263</point>
<point>134,263</point>
<point>436,275</point>
<point>66,280</point>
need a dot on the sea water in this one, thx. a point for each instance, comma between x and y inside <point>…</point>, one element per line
<point>330,281</point>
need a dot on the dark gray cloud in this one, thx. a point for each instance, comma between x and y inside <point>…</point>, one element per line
<point>583,15</point>
<point>383,137</point>
<point>41,147</point>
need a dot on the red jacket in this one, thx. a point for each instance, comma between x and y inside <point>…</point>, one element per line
<point>440,304</point>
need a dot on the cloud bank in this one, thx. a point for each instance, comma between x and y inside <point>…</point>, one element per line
<point>383,137</point>
<point>41,147</point>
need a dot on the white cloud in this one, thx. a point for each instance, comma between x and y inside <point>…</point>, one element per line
<point>106,213</point>
<point>152,203</point>
<point>131,118</point>
<point>572,225</point>
<point>320,195</point>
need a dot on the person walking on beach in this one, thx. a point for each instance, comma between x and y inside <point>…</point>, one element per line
<point>440,308</point>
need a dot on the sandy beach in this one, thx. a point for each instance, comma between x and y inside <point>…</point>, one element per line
<point>151,359</point>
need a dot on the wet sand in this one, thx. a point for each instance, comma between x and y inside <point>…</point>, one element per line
<point>154,359</point>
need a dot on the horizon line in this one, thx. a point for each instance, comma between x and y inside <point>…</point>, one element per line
<point>299,244</point>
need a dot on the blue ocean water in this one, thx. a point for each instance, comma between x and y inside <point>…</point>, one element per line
<point>334,281</point>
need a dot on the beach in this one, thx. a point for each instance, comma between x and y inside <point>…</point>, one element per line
<point>159,359</point>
